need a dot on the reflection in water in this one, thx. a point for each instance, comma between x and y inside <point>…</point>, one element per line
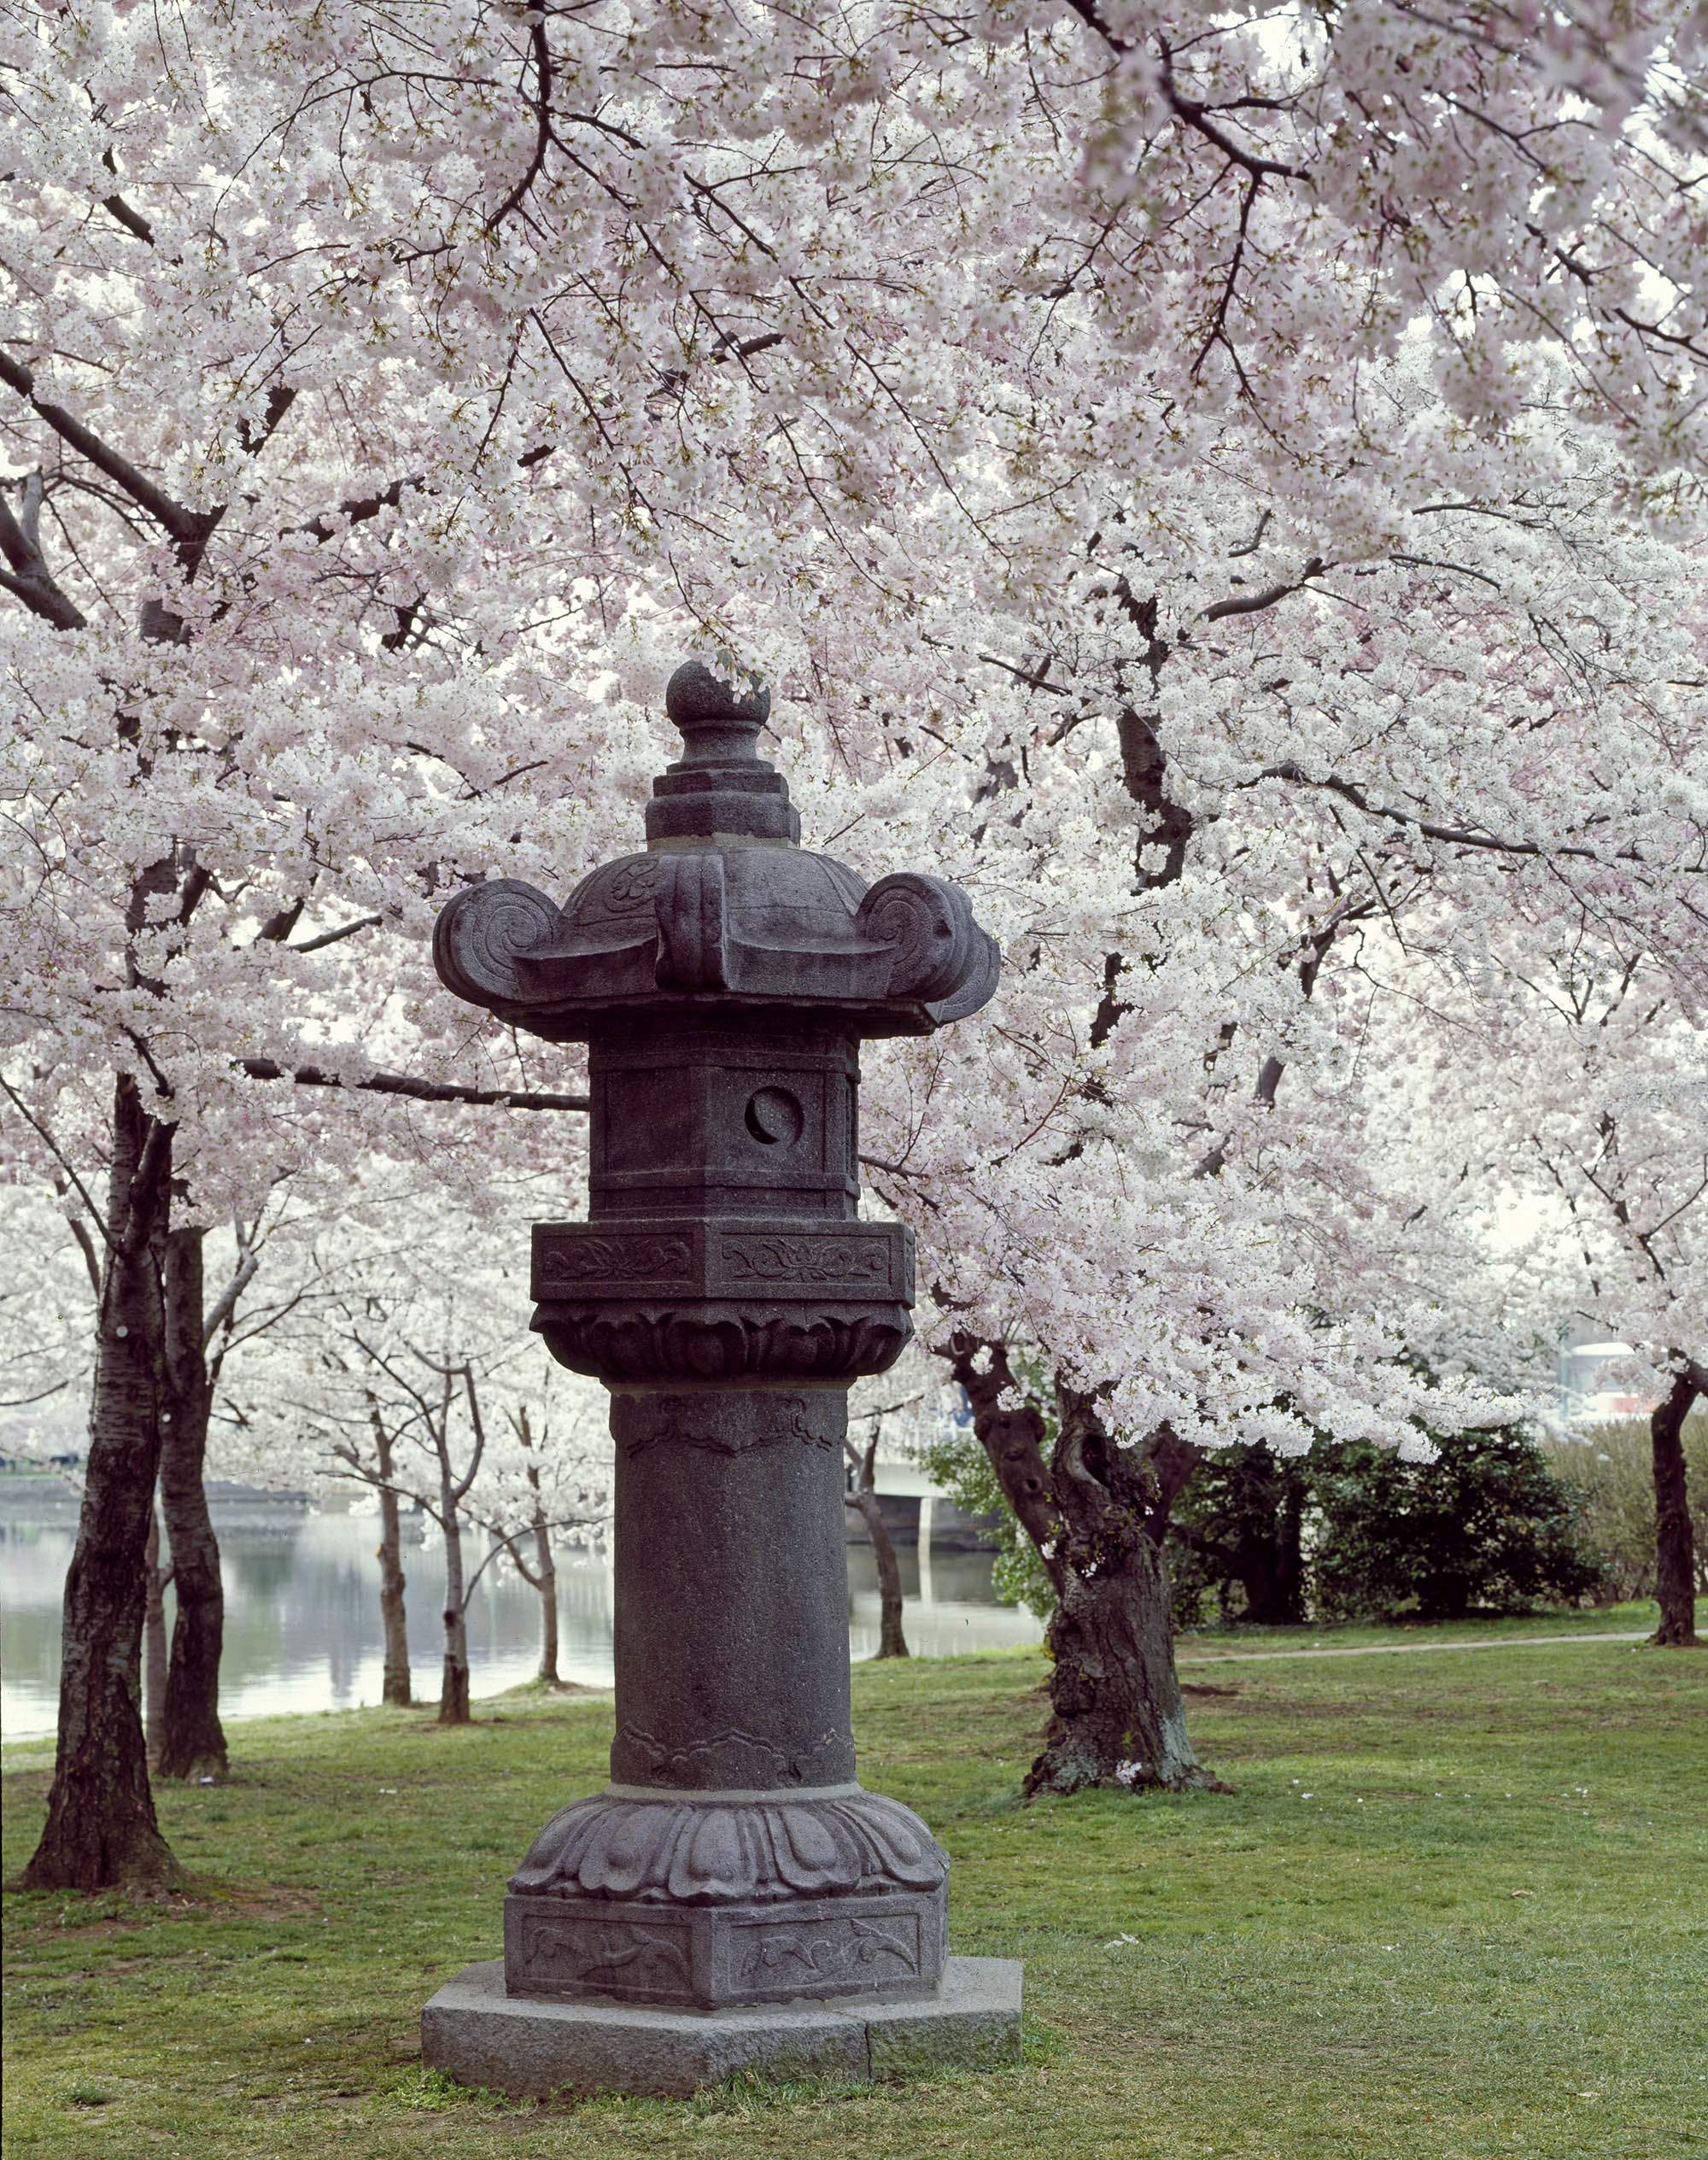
<point>302,1629</point>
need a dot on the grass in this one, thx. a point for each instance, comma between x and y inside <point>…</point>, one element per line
<point>1639,1616</point>
<point>1458,1908</point>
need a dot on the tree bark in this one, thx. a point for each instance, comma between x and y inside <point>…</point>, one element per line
<point>154,1641</point>
<point>453,1681</point>
<point>395,1680</point>
<point>892,1643</point>
<point>1117,1717</point>
<point>193,1743</point>
<point>1097,1514</point>
<point>101,1830</point>
<point>1271,1561</point>
<point>1116,1713</point>
<point>545,1582</point>
<point>1674,1543</point>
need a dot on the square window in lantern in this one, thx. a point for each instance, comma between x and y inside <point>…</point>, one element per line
<point>652,1118</point>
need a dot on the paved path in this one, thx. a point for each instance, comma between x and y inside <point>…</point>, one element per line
<point>1411,1649</point>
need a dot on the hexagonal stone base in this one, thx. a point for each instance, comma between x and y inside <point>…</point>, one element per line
<point>480,2035</point>
<point>735,1956</point>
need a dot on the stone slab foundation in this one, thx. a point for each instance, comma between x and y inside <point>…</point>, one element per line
<point>477,2033</point>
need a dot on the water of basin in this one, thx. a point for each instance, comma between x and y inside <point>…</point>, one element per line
<point>302,1629</point>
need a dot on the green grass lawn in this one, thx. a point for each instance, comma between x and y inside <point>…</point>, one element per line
<point>1458,1907</point>
<point>1641,1617</point>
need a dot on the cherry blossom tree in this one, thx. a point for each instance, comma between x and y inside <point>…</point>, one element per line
<point>549,1476</point>
<point>409,1371</point>
<point>1590,1080</point>
<point>48,1325</point>
<point>1096,424</point>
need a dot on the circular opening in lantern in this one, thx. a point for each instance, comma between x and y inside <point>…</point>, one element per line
<point>775,1117</point>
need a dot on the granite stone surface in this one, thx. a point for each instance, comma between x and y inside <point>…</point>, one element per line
<point>476,2033</point>
<point>726,1291</point>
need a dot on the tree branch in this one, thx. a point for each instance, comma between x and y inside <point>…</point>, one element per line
<point>542,128</point>
<point>132,221</point>
<point>1189,111</point>
<point>415,1090</point>
<point>1449,836</point>
<point>332,937</point>
<point>82,1191</point>
<point>189,528</point>
<point>1255,603</point>
<point>29,579</point>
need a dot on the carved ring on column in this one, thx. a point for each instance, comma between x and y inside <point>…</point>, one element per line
<point>715,1341</point>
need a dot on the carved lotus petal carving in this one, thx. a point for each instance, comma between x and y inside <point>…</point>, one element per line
<point>618,1342</point>
<point>718,1851</point>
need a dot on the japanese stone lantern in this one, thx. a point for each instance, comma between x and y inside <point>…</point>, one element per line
<point>732,1896</point>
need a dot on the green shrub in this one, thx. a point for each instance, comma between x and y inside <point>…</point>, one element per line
<point>1238,1531</point>
<point>1488,1527</point>
<point>1609,1468</point>
<point>1352,1532</point>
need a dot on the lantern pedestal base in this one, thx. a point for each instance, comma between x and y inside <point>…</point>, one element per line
<point>479,2035</point>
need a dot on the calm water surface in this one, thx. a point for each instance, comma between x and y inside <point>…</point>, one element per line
<point>302,1629</point>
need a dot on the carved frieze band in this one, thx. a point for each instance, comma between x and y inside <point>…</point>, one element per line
<point>580,1262</point>
<point>720,1425</point>
<point>716,1956</point>
<point>792,1261</point>
<point>607,1956</point>
<point>733,1758</point>
<point>803,1956</point>
<point>863,1261</point>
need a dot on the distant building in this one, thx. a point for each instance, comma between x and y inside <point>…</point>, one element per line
<point>1595,1385</point>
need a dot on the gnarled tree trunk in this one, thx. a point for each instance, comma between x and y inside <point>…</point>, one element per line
<point>193,1740</point>
<point>1116,1713</point>
<point>1097,1514</point>
<point>101,1830</point>
<point>1674,1542</point>
<point>1116,1716</point>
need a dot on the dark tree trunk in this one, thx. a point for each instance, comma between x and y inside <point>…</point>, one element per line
<point>454,1680</point>
<point>101,1830</point>
<point>395,1685</point>
<point>154,1641</point>
<point>863,1496</point>
<point>1117,1717</point>
<point>892,1641</point>
<point>1674,1543</point>
<point>545,1582</point>
<point>193,1743</point>
<point>1097,1515</point>
<point>1271,1565</point>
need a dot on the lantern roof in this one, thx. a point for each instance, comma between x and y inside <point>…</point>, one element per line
<point>723,911</point>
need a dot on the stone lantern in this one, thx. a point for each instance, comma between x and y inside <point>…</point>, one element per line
<point>734,1896</point>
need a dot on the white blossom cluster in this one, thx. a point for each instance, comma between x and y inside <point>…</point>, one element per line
<point>1223,485</point>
